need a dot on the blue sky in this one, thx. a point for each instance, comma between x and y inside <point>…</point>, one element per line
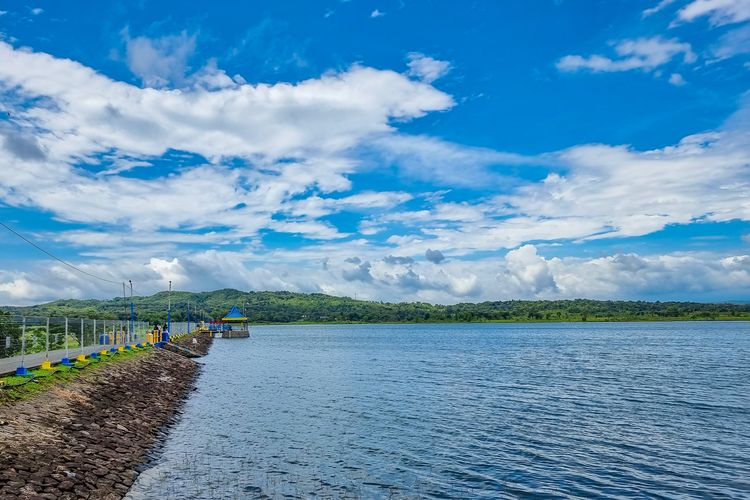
<point>399,150</point>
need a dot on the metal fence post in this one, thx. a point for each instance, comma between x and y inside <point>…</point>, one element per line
<point>67,354</point>
<point>81,346</point>
<point>23,341</point>
<point>46,342</point>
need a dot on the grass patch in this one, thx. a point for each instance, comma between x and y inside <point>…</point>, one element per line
<point>13,381</point>
<point>12,391</point>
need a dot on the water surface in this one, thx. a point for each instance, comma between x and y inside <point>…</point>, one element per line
<point>468,410</point>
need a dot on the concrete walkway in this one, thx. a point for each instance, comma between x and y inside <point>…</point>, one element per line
<point>9,365</point>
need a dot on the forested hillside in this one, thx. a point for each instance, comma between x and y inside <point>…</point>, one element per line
<point>287,307</point>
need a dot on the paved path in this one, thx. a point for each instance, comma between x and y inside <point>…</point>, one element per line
<point>9,365</point>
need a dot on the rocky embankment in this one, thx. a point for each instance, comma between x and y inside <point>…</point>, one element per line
<point>201,345</point>
<point>86,438</point>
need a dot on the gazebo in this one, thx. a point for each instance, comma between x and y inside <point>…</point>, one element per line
<point>232,326</point>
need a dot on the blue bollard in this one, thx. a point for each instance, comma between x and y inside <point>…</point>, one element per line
<point>66,362</point>
<point>21,371</point>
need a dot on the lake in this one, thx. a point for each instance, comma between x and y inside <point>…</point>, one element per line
<point>466,411</point>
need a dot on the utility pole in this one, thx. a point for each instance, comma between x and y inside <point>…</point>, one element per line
<point>169,308</point>
<point>132,314</point>
<point>188,328</point>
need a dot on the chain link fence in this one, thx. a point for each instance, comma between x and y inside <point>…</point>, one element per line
<point>23,335</point>
<point>181,327</point>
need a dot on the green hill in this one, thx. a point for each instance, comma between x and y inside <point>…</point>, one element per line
<point>288,307</point>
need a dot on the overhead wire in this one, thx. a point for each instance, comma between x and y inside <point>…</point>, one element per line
<point>68,264</point>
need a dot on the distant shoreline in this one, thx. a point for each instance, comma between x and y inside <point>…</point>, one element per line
<point>317,308</point>
<point>510,321</point>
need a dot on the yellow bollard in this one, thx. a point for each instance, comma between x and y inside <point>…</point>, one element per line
<point>120,349</point>
<point>81,357</point>
<point>46,365</point>
<point>103,352</point>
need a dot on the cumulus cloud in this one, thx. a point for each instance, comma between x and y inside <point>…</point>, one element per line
<point>528,271</point>
<point>360,272</point>
<point>395,259</point>
<point>719,12</point>
<point>644,54</point>
<point>282,158</point>
<point>377,13</point>
<point>522,273</point>
<point>316,121</point>
<point>426,68</point>
<point>159,62</point>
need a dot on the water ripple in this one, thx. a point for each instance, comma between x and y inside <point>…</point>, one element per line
<point>466,411</point>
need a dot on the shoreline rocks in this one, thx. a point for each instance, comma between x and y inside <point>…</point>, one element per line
<point>88,438</point>
<point>202,345</point>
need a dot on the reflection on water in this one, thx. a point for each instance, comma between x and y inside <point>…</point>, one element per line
<point>445,411</point>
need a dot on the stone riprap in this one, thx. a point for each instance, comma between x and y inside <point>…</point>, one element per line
<point>202,345</point>
<point>88,437</point>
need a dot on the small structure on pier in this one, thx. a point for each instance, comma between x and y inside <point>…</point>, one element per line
<point>231,326</point>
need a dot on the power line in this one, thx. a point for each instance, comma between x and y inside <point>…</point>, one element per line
<point>56,257</point>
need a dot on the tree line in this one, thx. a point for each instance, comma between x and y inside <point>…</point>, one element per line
<point>289,307</point>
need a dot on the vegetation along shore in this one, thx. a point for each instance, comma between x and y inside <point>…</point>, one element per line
<point>289,307</point>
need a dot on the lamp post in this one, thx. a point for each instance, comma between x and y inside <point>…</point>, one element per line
<point>125,301</point>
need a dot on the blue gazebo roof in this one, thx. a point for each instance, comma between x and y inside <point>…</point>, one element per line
<point>234,315</point>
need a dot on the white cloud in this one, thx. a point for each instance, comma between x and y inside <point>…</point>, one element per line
<point>528,271</point>
<point>377,13</point>
<point>677,80</point>
<point>159,62</point>
<point>37,10</point>
<point>426,68</point>
<point>719,12</point>
<point>658,7</point>
<point>293,150</point>
<point>645,54</point>
<point>317,121</point>
<point>733,43</point>
<point>440,162</point>
<point>523,273</point>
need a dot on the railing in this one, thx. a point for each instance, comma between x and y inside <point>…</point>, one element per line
<point>180,327</point>
<point>23,335</point>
